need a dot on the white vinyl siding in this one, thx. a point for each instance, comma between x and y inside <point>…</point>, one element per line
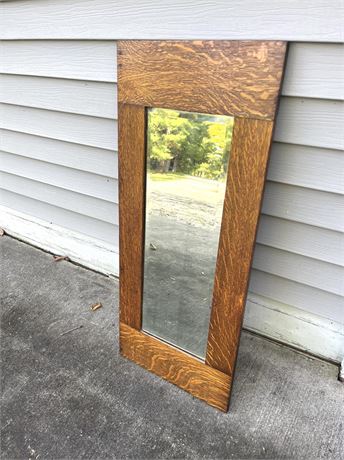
<point>58,149</point>
<point>292,20</point>
<point>58,144</point>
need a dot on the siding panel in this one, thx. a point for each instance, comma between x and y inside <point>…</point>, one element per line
<point>309,65</point>
<point>311,167</point>
<point>82,157</point>
<point>174,19</point>
<point>306,240</point>
<point>101,187</point>
<point>83,97</point>
<point>312,122</point>
<point>81,60</point>
<point>304,297</point>
<point>311,207</point>
<point>95,132</point>
<point>311,272</point>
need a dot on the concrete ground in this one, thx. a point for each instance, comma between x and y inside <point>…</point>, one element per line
<point>67,394</point>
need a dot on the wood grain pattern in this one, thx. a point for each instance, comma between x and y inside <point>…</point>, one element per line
<point>245,183</point>
<point>177,367</point>
<point>131,211</point>
<point>237,78</point>
<point>220,77</point>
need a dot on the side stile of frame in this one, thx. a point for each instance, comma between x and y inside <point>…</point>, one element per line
<point>244,191</point>
<point>131,211</point>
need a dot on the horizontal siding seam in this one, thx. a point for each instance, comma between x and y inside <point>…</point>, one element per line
<point>50,110</point>
<point>298,282</point>
<point>310,146</point>
<point>63,188</point>
<point>57,164</point>
<point>63,208</point>
<point>294,184</point>
<point>53,77</point>
<point>304,256</point>
<point>55,140</point>
<point>57,111</point>
<point>68,141</point>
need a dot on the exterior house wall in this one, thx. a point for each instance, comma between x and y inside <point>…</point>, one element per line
<point>58,146</point>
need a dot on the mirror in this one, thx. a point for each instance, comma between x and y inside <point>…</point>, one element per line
<point>174,194</point>
<point>187,158</point>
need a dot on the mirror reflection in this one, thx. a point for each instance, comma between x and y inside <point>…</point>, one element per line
<point>187,157</point>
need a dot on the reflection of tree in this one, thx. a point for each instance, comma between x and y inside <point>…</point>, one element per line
<point>189,143</point>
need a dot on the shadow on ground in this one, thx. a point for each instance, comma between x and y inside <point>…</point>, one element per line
<point>69,395</point>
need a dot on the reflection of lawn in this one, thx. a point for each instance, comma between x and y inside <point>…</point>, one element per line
<point>193,200</point>
<point>156,176</point>
<point>194,189</point>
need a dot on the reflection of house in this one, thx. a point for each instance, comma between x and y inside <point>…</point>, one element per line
<point>59,161</point>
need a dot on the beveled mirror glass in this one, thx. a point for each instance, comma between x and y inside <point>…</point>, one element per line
<point>187,157</point>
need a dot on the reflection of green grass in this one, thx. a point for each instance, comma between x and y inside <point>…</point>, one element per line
<point>171,176</point>
<point>165,177</point>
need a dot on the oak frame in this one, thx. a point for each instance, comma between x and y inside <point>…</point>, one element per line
<point>241,79</point>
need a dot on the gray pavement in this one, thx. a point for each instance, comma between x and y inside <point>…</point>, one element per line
<point>67,394</point>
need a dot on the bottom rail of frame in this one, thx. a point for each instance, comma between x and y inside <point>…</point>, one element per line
<point>176,366</point>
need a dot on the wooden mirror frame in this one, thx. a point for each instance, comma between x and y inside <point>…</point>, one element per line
<point>237,78</point>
